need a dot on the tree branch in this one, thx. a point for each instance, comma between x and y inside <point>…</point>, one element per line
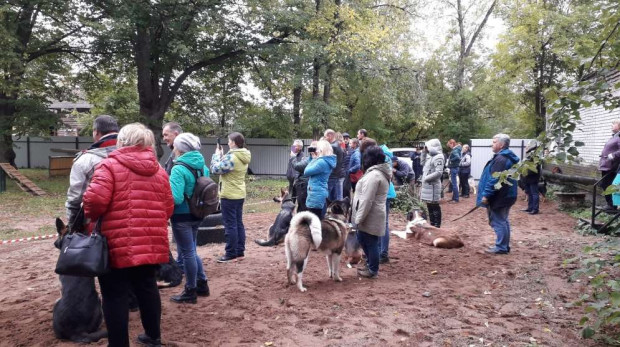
<point>482,24</point>
<point>600,49</point>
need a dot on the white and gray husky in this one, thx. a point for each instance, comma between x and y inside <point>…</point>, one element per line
<point>308,232</point>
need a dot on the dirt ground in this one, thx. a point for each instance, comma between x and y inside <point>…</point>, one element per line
<point>472,299</point>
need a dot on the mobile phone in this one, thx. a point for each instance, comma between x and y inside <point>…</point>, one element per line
<point>218,143</point>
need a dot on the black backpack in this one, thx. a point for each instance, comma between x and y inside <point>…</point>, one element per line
<point>204,200</point>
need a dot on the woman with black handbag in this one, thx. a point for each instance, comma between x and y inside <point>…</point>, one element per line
<point>131,196</point>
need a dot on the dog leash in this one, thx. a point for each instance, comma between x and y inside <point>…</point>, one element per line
<point>468,212</point>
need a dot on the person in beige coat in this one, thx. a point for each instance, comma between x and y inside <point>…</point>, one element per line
<point>369,207</point>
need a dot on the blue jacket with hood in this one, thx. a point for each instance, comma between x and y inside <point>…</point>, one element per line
<point>507,194</point>
<point>318,170</point>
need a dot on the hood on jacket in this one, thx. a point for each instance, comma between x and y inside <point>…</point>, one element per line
<point>434,146</point>
<point>385,169</point>
<point>242,154</point>
<point>330,160</point>
<point>193,159</point>
<point>140,160</point>
<point>510,155</point>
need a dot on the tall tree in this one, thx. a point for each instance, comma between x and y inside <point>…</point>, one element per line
<point>170,40</point>
<point>33,34</point>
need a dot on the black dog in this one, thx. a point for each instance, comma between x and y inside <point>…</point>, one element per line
<point>77,315</point>
<point>279,228</point>
<point>169,275</point>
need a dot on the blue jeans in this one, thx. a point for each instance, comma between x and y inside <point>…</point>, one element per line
<point>454,172</point>
<point>385,239</point>
<point>370,245</point>
<point>498,219</point>
<point>533,199</point>
<point>232,216</point>
<point>185,235</point>
<point>334,188</point>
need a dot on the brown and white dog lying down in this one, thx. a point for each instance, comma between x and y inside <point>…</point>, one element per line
<point>430,235</point>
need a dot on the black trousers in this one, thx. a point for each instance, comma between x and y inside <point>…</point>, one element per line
<point>464,181</point>
<point>115,289</point>
<point>608,178</point>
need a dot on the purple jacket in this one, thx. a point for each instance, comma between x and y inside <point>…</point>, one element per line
<point>611,147</point>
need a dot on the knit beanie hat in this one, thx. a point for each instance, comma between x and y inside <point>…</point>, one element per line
<point>186,142</point>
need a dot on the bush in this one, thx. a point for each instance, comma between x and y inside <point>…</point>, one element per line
<point>406,199</point>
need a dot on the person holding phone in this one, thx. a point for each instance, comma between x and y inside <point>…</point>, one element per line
<point>297,155</point>
<point>320,165</point>
<point>232,168</point>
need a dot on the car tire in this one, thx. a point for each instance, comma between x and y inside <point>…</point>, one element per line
<point>212,220</point>
<point>210,235</point>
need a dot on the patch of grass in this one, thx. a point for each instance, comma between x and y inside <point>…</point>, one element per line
<point>260,193</point>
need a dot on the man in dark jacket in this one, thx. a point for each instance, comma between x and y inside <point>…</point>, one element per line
<point>453,164</point>
<point>610,158</point>
<point>498,202</point>
<point>416,165</point>
<point>297,155</point>
<point>530,181</point>
<point>402,172</point>
<point>336,179</point>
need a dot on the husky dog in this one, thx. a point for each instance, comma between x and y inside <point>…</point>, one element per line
<point>430,235</point>
<point>472,185</point>
<point>280,226</point>
<point>308,232</point>
<point>77,315</point>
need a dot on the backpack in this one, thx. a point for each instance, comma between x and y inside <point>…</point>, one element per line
<point>204,200</point>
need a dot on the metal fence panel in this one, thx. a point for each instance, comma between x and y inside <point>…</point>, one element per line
<point>269,156</point>
<point>481,153</point>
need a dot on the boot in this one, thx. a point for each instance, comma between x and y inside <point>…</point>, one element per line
<point>434,215</point>
<point>188,296</point>
<point>202,288</point>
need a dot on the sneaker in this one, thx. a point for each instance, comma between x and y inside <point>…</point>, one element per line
<point>240,257</point>
<point>225,259</point>
<point>384,260</point>
<point>526,210</point>
<point>143,339</point>
<point>202,288</point>
<point>366,273</point>
<point>494,251</point>
<point>534,212</point>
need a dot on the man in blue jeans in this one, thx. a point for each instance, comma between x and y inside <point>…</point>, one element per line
<point>336,178</point>
<point>453,164</point>
<point>498,202</point>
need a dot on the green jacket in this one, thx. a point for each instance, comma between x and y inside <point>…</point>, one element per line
<point>232,167</point>
<point>182,180</point>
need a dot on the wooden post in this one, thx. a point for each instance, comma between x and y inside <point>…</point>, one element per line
<point>2,181</point>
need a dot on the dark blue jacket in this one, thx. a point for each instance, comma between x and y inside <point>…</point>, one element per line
<point>507,194</point>
<point>455,157</point>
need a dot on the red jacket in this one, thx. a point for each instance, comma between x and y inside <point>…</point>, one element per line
<point>130,190</point>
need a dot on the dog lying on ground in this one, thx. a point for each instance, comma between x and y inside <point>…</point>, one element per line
<point>280,226</point>
<point>77,315</point>
<point>308,232</point>
<point>430,235</point>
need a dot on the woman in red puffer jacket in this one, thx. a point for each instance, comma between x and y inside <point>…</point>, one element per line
<point>131,195</point>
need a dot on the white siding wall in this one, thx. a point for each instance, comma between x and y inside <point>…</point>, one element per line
<point>595,128</point>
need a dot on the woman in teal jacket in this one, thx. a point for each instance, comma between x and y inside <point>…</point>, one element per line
<point>320,166</point>
<point>188,164</point>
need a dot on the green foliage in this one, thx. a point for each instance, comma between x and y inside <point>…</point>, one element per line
<point>407,199</point>
<point>599,267</point>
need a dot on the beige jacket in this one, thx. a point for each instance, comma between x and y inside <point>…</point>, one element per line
<point>370,196</point>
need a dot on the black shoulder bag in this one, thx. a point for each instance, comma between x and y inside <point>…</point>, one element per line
<point>84,255</point>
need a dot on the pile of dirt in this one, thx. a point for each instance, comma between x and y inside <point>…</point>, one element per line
<point>423,297</point>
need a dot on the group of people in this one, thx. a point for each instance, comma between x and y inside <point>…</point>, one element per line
<point>119,186</point>
<point>337,167</point>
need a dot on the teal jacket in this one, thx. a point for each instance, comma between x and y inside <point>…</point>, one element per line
<point>182,180</point>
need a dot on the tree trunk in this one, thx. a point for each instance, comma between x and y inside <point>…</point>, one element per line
<point>7,114</point>
<point>315,91</point>
<point>297,109</point>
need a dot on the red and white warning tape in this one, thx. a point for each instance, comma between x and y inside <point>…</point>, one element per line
<point>32,238</point>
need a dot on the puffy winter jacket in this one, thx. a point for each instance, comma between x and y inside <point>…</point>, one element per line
<point>232,167</point>
<point>369,208</point>
<point>182,182</point>
<point>507,194</point>
<point>432,171</point>
<point>318,171</point>
<point>131,193</point>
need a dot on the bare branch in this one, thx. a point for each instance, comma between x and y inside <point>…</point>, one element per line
<point>600,49</point>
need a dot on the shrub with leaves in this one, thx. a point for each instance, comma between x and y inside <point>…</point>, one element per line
<point>406,199</point>
<point>599,264</point>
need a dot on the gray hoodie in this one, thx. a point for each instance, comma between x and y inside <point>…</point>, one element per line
<point>431,174</point>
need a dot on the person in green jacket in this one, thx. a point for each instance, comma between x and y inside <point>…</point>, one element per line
<point>189,161</point>
<point>232,169</point>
